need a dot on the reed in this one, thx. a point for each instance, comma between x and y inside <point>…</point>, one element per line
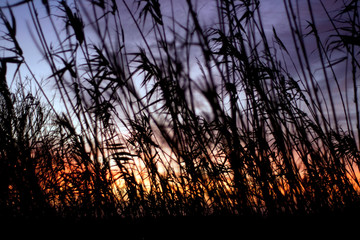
<point>196,120</point>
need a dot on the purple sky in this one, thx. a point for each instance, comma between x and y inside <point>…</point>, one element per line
<point>273,15</point>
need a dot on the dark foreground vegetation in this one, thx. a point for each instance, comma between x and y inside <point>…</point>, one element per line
<point>157,117</point>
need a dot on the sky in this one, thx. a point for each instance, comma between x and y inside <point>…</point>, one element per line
<point>272,16</point>
<point>272,13</point>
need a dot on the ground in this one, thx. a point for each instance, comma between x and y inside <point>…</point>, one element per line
<point>224,227</point>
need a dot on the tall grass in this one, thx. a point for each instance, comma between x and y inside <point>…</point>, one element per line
<point>226,119</point>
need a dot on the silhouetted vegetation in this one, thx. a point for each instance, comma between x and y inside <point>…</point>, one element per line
<point>224,119</point>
